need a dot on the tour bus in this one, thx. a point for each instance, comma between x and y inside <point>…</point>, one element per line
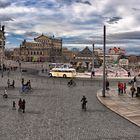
<point>62,72</point>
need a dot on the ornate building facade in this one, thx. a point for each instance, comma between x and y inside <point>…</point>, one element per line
<point>84,59</point>
<point>2,44</point>
<point>43,49</point>
<point>67,55</point>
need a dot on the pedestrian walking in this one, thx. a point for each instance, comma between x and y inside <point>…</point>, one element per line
<point>29,85</point>
<point>116,75</point>
<point>8,83</point>
<point>119,87</point>
<point>23,105</point>
<point>84,102</point>
<point>92,74</point>
<point>20,105</point>
<point>107,85</point>
<point>132,90</point>
<point>22,81</point>
<point>13,84</point>
<point>129,74</point>
<point>14,105</point>
<point>8,73</point>
<point>124,87</point>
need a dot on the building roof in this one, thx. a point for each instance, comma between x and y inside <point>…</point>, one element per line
<point>47,37</point>
<point>117,50</point>
<point>86,52</point>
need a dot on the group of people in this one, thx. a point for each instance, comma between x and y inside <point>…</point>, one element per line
<point>10,85</point>
<point>121,88</point>
<point>21,105</point>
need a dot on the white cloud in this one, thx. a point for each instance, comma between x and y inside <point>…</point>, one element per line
<point>17,10</point>
<point>73,19</point>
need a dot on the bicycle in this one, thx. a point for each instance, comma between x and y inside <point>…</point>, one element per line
<point>71,83</point>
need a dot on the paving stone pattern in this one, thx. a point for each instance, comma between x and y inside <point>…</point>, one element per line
<point>53,112</point>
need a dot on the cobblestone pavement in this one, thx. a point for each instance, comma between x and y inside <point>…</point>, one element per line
<point>123,104</point>
<point>53,112</point>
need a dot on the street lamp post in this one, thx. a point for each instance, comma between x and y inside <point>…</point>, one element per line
<point>104,75</point>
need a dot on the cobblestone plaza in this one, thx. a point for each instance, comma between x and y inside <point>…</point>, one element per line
<point>53,112</point>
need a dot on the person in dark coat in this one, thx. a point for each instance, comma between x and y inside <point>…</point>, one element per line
<point>107,85</point>
<point>129,74</point>
<point>20,104</point>
<point>29,84</point>
<point>124,87</point>
<point>14,105</point>
<point>132,90</point>
<point>84,101</point>
<point>23,105</point>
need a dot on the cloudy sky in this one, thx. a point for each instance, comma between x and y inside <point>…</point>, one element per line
<point>78,22</point>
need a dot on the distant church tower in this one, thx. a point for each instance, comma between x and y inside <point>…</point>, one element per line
<point>2,44</point>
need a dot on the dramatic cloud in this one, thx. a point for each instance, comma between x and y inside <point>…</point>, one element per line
<point>84,2</point>
<point>136,9</point>
<point>4,4</point>
<point>31,34</point>
<point>5,18</point>
<point>134,35</point>
<point>76,21</point>
<point>113,20</point>
<point>73,1</point>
